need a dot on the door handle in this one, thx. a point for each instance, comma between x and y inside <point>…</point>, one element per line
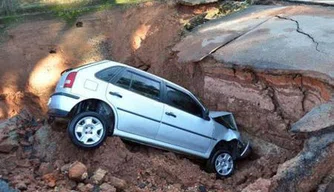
<point>115,94</point>
<point>170,114</point>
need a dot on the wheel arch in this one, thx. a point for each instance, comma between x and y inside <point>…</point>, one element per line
<point>230,145</point>
<point>99,106</point>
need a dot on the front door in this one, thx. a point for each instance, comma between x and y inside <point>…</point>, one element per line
<point>136,98</point>
<point>182,123</point>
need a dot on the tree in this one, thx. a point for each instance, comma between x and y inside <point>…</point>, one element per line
<point>8,6</point>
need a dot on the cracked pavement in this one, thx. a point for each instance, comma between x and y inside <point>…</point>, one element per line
<point>276,39</point>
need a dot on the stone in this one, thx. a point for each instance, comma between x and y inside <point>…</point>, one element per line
<point>64,169</point>
<point>5,187</point>
<point>260,185</point>
<point>202,188</point>
<point>8,145</point>
<point>50,179</point>
<point>89,187</point>
<point>45,168</point>
<point>105,187</point>
<point>120,184</point>
<point>78,171</point>
<point>196,2</point>
<point>81,187</point>
<point>98,176</point>
<point>319,118</point>
<point>306,171</point>
<point>21,186</point>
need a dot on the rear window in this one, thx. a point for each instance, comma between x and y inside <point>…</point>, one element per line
<point>108,74</point>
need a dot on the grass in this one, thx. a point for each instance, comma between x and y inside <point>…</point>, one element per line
<point>7,22</point>
<point>68,10</point>
<point>222,10</point>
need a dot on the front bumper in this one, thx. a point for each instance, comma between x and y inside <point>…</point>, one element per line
<point>245,151</point>
<point>60,104</point>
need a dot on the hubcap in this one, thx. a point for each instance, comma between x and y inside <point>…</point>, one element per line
<point>89,130</point>
<point>224,164</point>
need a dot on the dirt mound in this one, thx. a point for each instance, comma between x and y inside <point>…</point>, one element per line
<point>42,150</point>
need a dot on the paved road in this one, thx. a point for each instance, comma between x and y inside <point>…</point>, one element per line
<point>325,2</point>
<point>297,39</point>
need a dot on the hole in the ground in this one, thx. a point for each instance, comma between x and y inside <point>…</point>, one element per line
<point>53,51</point>
<point>79,24</point>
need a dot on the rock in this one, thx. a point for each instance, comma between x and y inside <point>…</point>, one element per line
<point>306,171</point>
<point>260,185</point>
<point>50,179</point>
<point>319,118</point>
<point>85,188</point>
<point>98,176</point>
<point>105,187</point>
<point>81,187</point>
<point>89,187</point>
<point>5,187</point>
<point>196,2</point>
<point>9,145</point>
<point>120,184</point>
<point>45,168</point>
<point>42,144</point>
<point>202,188</point>
<point>78,171</point>
<point>64,169</point>
<point>21,186</point>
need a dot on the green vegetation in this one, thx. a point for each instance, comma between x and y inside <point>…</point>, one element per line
<point>222,9</point>
<point>69,10</point>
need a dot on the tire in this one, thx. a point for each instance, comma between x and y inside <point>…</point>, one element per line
<point>88,130</point>
<point>221,163</point>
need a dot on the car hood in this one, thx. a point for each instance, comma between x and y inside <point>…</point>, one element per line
<point>214,114</point>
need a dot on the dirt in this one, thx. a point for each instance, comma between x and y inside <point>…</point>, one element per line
<point>35,52</point>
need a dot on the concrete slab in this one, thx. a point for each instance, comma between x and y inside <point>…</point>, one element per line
<point>212,35</point>
<point>326,2</point>
<point>298,39</point>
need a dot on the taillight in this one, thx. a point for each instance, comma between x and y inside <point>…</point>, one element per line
<point>70,80</point>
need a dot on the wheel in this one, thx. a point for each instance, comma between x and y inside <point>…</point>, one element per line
<point>221,163</point>
<point>87,130</point>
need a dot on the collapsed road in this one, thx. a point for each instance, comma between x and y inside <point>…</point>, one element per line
<point>269,65</point>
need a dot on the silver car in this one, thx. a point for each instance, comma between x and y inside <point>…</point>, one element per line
<point>110,98</point>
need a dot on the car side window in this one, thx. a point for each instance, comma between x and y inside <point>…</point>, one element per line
<point>140,84</point>
<point>125,80</point>
<point>183,101</point>
<point>145,86</point>
<point>108,74</point>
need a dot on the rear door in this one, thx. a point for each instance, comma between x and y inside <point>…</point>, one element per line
<point>137,99</point>
<point>182,123</point>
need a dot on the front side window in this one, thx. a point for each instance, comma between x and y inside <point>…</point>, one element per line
<point>145,86</point>
<point>183,101</point>
<point>140,84</point>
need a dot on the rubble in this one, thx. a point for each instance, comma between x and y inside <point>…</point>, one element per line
<point>98,176</point>
<point>105,187</point>
<point>77,171</point>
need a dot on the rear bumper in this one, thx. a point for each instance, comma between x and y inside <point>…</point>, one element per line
<point>60,104</point>
<point>57,113</point>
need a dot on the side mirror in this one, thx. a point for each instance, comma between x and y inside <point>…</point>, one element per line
<point>206,115</point>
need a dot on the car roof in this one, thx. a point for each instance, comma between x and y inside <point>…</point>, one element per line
<point>114,63</point>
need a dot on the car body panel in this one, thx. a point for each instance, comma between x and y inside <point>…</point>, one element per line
<point>180,130</point>
<point>142,119</point>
